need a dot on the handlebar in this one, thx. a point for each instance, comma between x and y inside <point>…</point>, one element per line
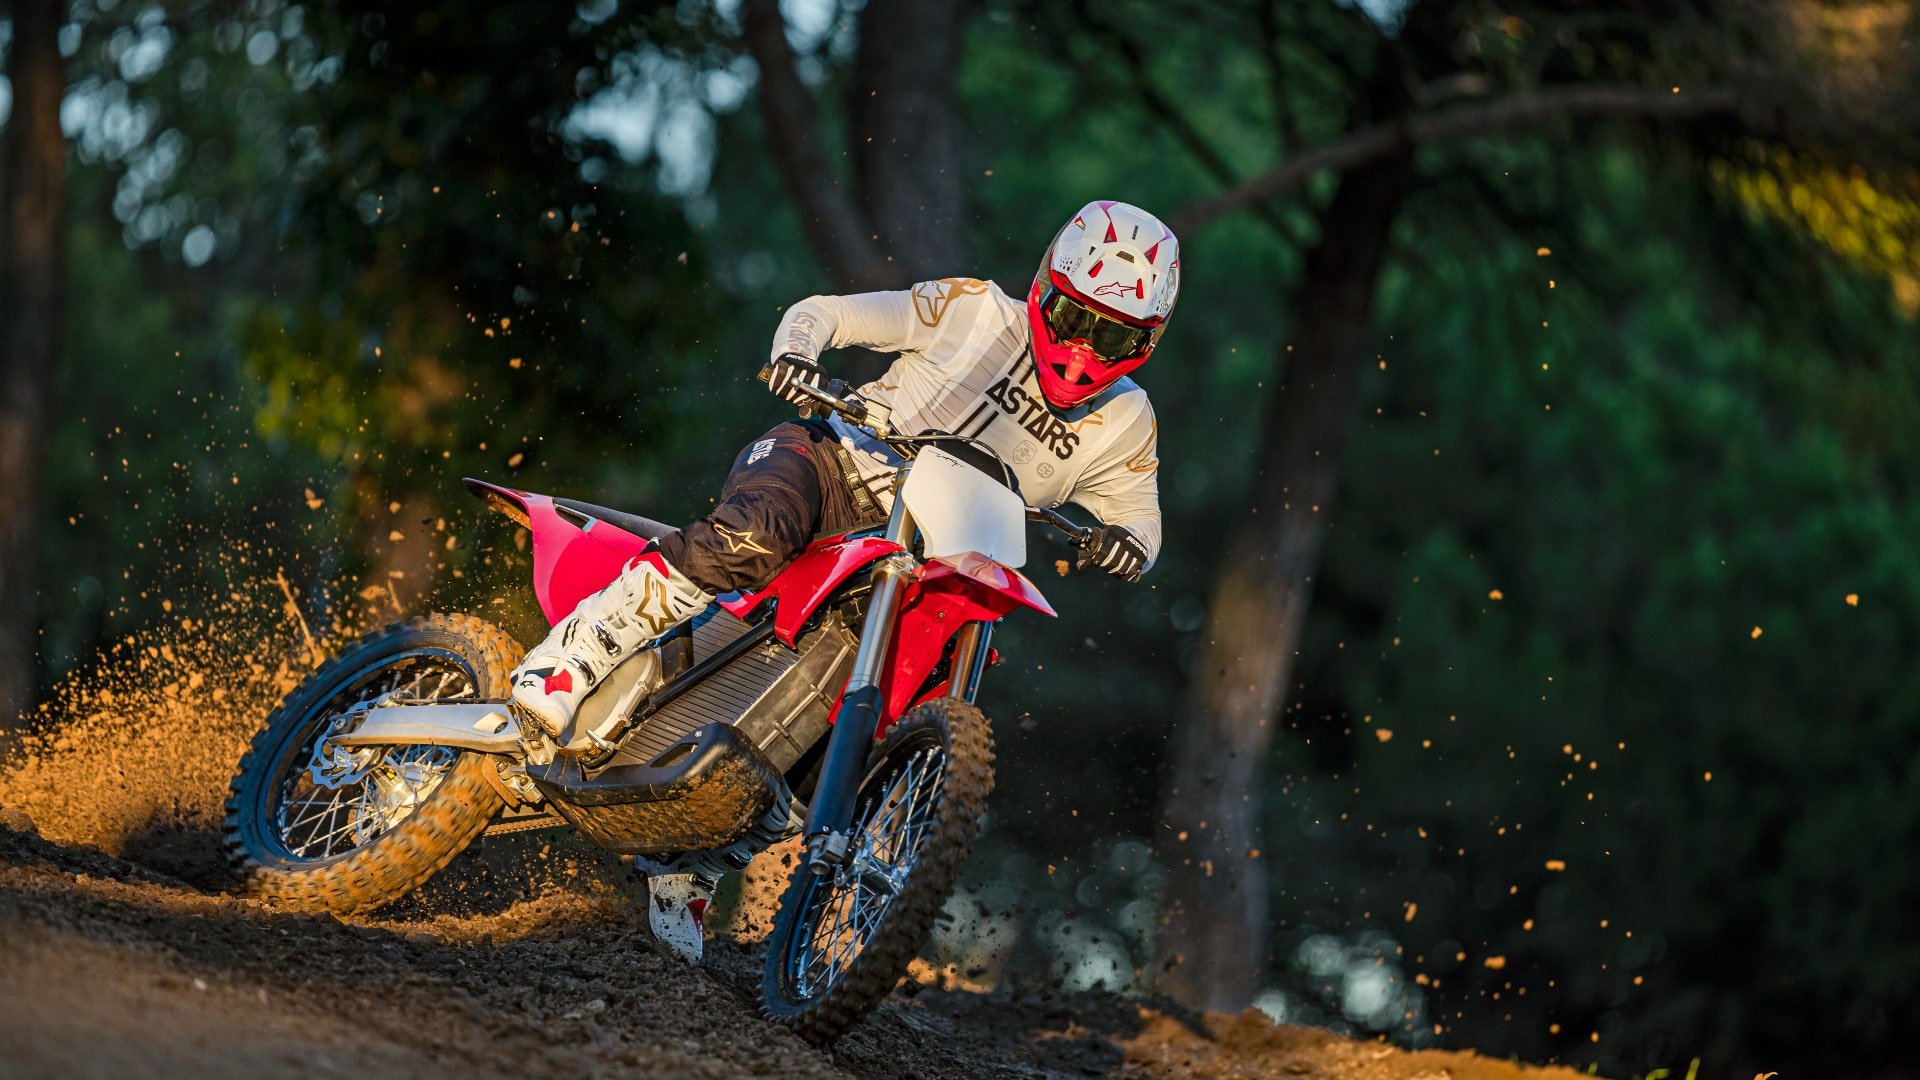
<point>1079,534</point>
<point>834,398</point>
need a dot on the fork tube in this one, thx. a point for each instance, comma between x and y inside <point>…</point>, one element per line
<point>830,811</point>
<point>969,660</point>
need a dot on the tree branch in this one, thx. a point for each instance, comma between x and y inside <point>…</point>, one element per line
<point>834,225</point>
<point>1375,142</point>
<point>1183,130</point>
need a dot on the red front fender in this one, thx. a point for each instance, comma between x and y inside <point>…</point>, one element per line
<point>945,595</point>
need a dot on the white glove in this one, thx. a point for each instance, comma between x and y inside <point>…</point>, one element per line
<point>1114,550</point>
<point>790,370</point>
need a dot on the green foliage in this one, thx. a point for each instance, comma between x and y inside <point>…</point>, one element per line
<point>328,260</point>
<point>477,269</point>
<point>1627,517</point>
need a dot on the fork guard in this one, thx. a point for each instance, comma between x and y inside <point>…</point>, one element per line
<point>705,791</point>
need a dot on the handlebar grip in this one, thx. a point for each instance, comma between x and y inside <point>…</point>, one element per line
<point>833,397</point>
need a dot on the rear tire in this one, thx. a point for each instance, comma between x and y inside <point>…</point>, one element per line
<point>806,986</point>
<point>377,838</point>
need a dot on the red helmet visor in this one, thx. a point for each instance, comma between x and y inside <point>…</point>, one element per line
<point>1112,340</point>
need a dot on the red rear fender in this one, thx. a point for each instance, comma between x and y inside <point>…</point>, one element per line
<point>573,557</point>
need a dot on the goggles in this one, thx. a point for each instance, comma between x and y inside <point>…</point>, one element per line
<point>1110,339</point>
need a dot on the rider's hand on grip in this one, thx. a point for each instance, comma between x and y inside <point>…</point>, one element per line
<point>1113,549</point>
<point>790,370</point>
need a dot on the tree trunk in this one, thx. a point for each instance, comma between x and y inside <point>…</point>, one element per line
<point>1211,948</point>
<point>829,213</point>
<point>905,137</point>
<point>32,283</point>
<point>901,216</point>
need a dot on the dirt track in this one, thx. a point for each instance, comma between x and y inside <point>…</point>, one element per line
<point>125,959</point>
<point>119,972</point>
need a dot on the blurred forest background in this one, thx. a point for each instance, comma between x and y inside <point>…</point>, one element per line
<point>1530,663</point>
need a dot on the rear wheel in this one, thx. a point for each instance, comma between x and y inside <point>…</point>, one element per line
<point>840,942</point>
<point>323,828</point>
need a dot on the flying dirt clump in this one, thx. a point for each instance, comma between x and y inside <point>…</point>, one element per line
<point>133,752</point>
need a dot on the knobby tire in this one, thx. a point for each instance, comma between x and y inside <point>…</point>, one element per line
<point>968,739</point>
<point>415,848</point>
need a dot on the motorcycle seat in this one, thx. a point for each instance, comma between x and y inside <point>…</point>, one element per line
<point>643,527</point>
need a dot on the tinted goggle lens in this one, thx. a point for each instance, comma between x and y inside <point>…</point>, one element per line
<point>1110,339</point>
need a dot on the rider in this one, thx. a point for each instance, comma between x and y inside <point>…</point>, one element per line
<point>1044,384</point>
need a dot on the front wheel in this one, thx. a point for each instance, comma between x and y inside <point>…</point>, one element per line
<point>840,942</point>
<point>323,828</point>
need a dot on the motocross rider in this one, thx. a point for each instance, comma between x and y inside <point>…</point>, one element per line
<point>1043,383</point>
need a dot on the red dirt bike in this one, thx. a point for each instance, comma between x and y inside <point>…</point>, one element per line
<point>836,702</point>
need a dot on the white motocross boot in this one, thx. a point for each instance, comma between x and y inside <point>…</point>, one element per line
<point>646,600</point>
<point>677,908</point>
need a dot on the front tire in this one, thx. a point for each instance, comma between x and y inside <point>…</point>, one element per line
<point>840,943</point>
<point>349,833</point>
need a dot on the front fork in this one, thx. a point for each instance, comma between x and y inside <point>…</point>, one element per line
<point>830,813</point>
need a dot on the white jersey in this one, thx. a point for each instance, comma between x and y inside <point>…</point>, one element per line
<point>965,367</point>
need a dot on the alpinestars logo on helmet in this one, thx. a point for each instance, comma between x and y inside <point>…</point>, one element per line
<point>1130,261</point>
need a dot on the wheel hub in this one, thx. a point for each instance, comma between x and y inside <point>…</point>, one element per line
<point>879,875</point>
<point>396,791</point>
<point>346,797</point>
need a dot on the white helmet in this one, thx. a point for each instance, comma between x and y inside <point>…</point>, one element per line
<point>1101,299</point>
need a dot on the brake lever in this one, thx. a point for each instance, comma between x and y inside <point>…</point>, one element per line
<point>1079,535</point>
<point>832,398</point>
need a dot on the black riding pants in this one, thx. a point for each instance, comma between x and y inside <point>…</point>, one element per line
<point>786,487</point>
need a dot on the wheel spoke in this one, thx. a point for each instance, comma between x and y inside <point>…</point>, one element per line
<point>338,831</point>
<point>317,817</point>
<point>318,825</point>
<point>332,804</point>
<point>325,808</point>
<point>843,914</point>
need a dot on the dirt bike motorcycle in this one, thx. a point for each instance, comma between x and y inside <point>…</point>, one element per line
<point>837,702</point>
